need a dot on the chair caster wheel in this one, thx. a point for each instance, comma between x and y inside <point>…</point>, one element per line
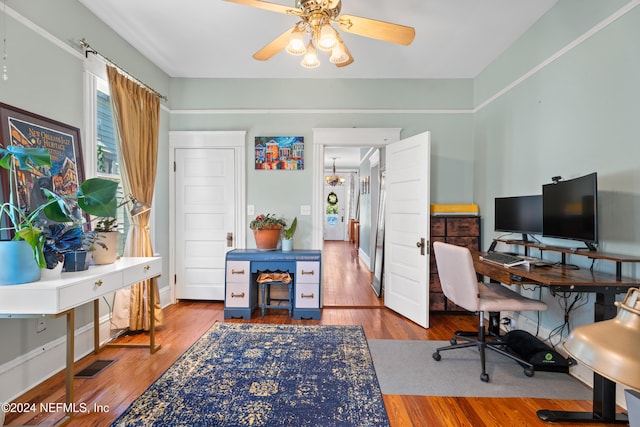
<point>436,356</point>
<point>453,341</point>
<point>529,372</point>
<point>484,377</point>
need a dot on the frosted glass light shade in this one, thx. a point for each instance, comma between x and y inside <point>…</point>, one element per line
<point>310,59</point>
<point>296,44</point>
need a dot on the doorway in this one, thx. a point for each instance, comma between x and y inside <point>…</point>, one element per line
<point>347,274</point>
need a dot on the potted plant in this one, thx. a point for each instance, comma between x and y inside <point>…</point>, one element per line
<point>95,196</point>
<point>287,241</point>
<point>106,247</point>
<point>266,231</point>
<point>24,249</point>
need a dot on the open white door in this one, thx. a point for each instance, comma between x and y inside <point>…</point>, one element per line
<point>406,260</point>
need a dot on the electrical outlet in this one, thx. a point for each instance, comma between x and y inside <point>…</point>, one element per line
<point>42,325</point>
<point>512,322</point>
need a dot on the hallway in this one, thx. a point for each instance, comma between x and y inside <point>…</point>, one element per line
<point>346,279</point>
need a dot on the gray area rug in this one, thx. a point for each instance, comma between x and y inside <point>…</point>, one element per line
<point>407,368</point>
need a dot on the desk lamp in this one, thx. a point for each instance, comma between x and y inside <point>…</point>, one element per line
<point>137,207</point>
<point>611,347</point>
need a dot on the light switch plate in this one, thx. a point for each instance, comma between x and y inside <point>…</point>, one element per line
<point>251,210</point>
<point>305,210</point>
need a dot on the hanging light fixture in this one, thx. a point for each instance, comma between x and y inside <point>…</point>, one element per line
<point>334,179</point>
<point>322,36</point>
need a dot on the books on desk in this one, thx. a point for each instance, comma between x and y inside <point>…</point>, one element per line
<point>503,259</point>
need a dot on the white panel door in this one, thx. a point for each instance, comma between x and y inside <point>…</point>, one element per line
<point>205,212</point>
<point>334,210</point>
<point>406,260</point>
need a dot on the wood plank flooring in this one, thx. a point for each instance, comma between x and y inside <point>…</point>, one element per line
<point>117,386</point>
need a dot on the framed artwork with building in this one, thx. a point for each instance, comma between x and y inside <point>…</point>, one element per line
<point>279,152</point>
<point>22,128</point>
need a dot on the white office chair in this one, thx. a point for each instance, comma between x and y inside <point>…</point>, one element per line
<point>460,285</point>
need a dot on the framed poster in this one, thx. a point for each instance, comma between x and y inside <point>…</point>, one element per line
<point>19,127</point>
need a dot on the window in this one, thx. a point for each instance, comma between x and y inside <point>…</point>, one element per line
<point>100,141</point>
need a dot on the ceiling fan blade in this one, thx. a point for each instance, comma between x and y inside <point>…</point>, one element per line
<point>272,7</point>
<point>380,30</point>
<point>274,47</point>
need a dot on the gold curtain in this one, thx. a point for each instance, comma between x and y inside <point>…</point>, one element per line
<point>137,115</point>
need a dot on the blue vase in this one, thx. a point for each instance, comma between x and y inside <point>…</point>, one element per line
<point>18,263</point>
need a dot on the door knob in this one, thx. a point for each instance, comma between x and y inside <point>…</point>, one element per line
<point>229,240</point>
<point>421,244</point>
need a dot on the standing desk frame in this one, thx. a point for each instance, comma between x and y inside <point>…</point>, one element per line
<point>562,279</point>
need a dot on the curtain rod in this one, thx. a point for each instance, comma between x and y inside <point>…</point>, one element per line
<point>88,49</point>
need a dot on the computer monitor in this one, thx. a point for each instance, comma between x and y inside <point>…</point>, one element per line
<point>570,209</point>
<point>519,214</point>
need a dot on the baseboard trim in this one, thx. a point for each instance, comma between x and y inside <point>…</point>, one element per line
<point>30,369</point>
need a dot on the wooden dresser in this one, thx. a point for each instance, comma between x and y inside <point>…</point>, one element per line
<point>457,230</point>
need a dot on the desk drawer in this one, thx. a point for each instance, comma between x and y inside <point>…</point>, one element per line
<point>237,295</point>
<point>82,292</point>
<point>238,272</point>
<point>142,272</point>
<point>307,272</point>
<point>307,295</point>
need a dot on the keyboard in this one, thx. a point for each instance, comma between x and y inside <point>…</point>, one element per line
<point>503,259</point>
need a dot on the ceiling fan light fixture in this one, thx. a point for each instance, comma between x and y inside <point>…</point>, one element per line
<point>296,44</point>
<point>327,37</point>
<point>338,54</point>
<point>310,59</point>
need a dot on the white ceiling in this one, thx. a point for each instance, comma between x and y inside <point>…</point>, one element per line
<point>216,39</point>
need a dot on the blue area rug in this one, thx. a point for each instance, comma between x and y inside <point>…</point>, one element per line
<point>242,374</point>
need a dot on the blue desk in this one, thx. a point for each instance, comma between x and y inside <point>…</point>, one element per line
<point>241,287</point>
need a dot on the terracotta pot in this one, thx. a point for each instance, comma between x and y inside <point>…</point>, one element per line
<point>267,238</point>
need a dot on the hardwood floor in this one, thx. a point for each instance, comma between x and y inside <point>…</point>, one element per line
<point>117,386</point>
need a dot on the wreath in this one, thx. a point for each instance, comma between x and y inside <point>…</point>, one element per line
<point>332,198</point>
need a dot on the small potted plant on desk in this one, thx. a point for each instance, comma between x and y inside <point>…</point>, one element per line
<point>266,231</point>
<point>287,241</point>
<point>68,238</point>
<point>106,247</point>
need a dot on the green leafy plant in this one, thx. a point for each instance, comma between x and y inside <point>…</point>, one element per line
<point>289,232</point>
<point>267,222</point>
<point>104,225</point>
<point>95,196</point>
<point>22,226</point>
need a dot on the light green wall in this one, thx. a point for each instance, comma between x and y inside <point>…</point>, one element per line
<point>46,77</point>
<point>269,107</point>
<point>578,114</point>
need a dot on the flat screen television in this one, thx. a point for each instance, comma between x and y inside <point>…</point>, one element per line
<point>520,214</point>
<point>570,209</point>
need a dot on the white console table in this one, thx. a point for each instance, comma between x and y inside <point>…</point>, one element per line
<point>59,297</point>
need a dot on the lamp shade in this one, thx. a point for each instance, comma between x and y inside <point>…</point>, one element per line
<point>139,208</point>
<point>611,347</point>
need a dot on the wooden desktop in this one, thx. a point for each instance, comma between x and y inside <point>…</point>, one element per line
<point>564,278</point>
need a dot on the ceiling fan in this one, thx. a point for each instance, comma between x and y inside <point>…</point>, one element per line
<point>316,19</point>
